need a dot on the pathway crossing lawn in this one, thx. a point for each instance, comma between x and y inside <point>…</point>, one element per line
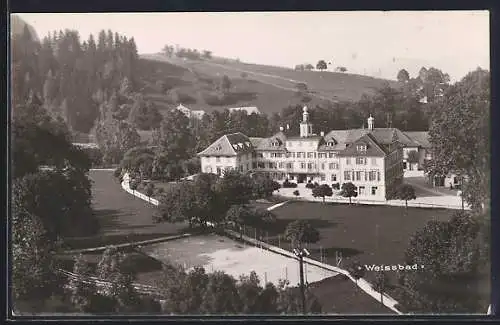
<point>123,217</point>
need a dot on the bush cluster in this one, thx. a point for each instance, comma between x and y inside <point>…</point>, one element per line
<point>288,184</point>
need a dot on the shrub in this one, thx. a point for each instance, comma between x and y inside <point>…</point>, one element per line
<point>287,184</point>
<point>310,185</point>
<point>150,188</point>
<point>296,193</point>
<point>118,172</point>
<point>133,184</point>
<point>336,186</point>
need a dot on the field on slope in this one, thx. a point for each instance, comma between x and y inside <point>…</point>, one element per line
<point>269,88</point>
<point>193,82</point>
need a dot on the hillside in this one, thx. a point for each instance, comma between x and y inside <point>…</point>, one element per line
<point>269,88</point>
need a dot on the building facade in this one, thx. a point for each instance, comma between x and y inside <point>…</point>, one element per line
<point>371,159</point>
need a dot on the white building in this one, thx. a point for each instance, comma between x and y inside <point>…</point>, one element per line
<point>248,109</point>
<point>191,113</point>
<point>372,159</point>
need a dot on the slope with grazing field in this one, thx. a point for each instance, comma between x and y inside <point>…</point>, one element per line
<point>329,86</point>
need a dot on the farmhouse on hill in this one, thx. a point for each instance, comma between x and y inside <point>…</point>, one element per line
<point>248,109</point>
<point>190,113</point>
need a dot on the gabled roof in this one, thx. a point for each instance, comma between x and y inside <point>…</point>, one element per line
<point>267,143</point>
<point>229,145</point>
<point>421,138</point>
<point>382,135</point>
<point>374,148</point>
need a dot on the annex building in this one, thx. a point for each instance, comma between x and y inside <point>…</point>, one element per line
<point>373,159</point>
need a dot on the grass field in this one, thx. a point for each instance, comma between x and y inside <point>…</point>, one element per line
<point>369,234</point>
<point>123,217</point>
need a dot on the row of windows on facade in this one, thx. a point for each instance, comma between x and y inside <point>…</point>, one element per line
<point>331,143</point>
<point>301,165</point>
<point>358,160</point>
<point>351,175</point>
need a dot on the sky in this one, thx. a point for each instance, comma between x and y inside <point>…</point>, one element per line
<point>374,43</point>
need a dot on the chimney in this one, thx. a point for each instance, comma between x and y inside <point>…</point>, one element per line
<point>322,133</point>
<point>281,128</point>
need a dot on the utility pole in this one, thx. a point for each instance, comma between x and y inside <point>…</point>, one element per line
<point>302,286</point>
<point>300,254</point>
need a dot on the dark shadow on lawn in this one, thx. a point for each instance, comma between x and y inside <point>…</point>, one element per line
<point>330,252</point>
<point>279,226</point>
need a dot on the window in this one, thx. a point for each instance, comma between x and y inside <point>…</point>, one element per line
<point>280,165</point>
<point>361,190</point>
<point>261,165</point>
<point>378,176</point>
<point>361,147</point>
<point>372,175</point>
<point>348,161</point>
<point>331,155</point>
<point>360,161</point>
<point>280,176</point>
<point>374,190</point>
<point>309,165</point>
<point>219,170</point>
<point>310,155</point>
<point>334,177</point>
<point>358,176</point>
<point>331,166</point>
<point>217,159</point>
<point>330,143</point>
<point>347,175</point>
<point>289,165</point>
<point>322,166</point>
<point>323,177</point>
<point>374,161</point>
<point>303,165</point>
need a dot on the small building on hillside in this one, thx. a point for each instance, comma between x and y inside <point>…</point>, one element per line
<point>248,109</point>
<point>191,113</point>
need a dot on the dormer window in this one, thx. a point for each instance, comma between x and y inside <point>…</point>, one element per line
<point>218,148</point>
<point>240,145</point>
<point>275,144</point>
<point>361,147</point>
<point>330,143</point>
<point>235,146</point>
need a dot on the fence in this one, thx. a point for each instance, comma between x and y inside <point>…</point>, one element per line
<point>126,187</point>
<point>382,202</point>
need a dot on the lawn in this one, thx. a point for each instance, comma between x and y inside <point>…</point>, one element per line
<point>367,233</point>
<point>122,217</point>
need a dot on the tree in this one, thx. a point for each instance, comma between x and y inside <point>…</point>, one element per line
<point>32,260</point>
<point>356,270</point>
<point>322,191</point>
<point>403,76</point>
<point>233,188</point>
<point>413,157</point>
<point>174,136</point>
<point>221,295</point>
<point>380,284</point>
<point>207,54</point>
<point>83,294</point>
<point>263,187</point>
<point>348,190</point>
<point>458,134</point>
<point>309,67</point>
<point>239,215</point>
<point>321,65</point>
<point>300,231</point>
<point>225,84</point>
<point>451,252</point>
<point>405,192</point>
